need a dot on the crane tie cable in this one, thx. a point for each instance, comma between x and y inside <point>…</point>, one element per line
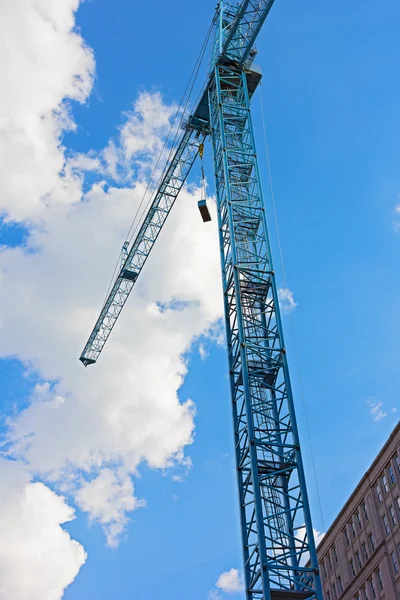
<point>192,79</point>
<point>290,316</point>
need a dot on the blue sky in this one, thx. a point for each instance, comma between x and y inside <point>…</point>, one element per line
<point>330,94</point>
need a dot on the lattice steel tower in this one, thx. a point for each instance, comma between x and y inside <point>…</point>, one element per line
<point>279,555</point>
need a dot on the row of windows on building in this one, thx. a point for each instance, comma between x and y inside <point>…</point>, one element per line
<point>387,476</point>
<point>371,587</point>
<point>361,555</point>
<point>327,562</point>
<point>357,521</point>
<point>356,564</point>
<point>392,520</point>
<point>366,592</point>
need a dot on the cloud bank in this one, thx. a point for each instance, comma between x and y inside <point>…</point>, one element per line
<point>85,433</point>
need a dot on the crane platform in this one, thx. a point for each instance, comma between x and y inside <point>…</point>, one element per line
<point>200,119</point>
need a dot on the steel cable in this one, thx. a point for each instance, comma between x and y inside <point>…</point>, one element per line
<point>290,317</point>
<point>190,85</point>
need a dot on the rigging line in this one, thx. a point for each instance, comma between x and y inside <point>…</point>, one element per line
<point>290,316</point>
<point>173,146</point>
<point>193,76</point>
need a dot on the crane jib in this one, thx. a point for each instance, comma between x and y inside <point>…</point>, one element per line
<point>244,29</point>
<point>163,201</point>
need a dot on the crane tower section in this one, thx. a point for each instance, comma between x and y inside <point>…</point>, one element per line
<point>275,517</point>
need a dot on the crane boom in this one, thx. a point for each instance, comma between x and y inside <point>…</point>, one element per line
<point>238,28</point>
<point>170,186</point>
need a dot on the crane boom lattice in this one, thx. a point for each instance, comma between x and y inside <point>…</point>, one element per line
<point>171,184</point>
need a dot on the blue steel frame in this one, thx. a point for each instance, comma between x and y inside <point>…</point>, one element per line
<point>134,259</point>
<point>275,516</point>
<point>236,29</point>
<point>279,554</point>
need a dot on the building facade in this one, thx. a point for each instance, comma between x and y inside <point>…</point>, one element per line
<point>359,556</point>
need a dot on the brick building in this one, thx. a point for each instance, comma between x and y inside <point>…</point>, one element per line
<point>360,554</point>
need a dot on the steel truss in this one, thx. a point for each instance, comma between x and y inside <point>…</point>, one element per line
<point>275,516</point>
<point>164,199</point>
<point>237,27</point>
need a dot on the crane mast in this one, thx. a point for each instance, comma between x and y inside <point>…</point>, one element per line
<point>279,554</point>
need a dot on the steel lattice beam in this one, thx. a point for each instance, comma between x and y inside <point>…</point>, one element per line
<point>237,28</point>
<point>275,517</point>
<point>164,199</point>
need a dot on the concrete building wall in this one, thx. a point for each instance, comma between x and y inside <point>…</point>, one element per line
<point>360,554</point>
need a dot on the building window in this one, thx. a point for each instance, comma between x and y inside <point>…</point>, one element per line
<point>391,475</point>
<point>394,562</point>
<point>397,459</point>
<point>380,580</point>
<point>372,586</point>
<point>386,524</point>
<point>323,568</point>
<point>364,507</point>
<point>335,558</point>
<point>378,492</point>
<point>398,502</point>
<point>392,515</point>
<point>358,559</point>
<point>339,585</point>
<point>371,541</point>
<point>365,592</point>
<point>385,484</point>
<point>352,570</point>
<point>329,561</point>
<point>358,520</point>
<point>353,531</point>
<point>364,551</point>
<point>327,595</point>
<point>346,535</point>
<point>334,591</point>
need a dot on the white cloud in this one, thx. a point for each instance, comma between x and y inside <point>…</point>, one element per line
<point>44,61</point>
<point>396,222</point>
<point>286,300</point>
<point>88,431</point>
<point>126,407</point>
<point>376,409</point>
<point>230,582</point>
<point>141,137</point>
<point>203,352</point>
<point>107,498</point>
<point>124,410</point>
<point>38,559</point>
<point>318,537</point>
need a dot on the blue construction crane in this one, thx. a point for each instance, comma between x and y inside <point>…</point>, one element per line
<point>280,561</point>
